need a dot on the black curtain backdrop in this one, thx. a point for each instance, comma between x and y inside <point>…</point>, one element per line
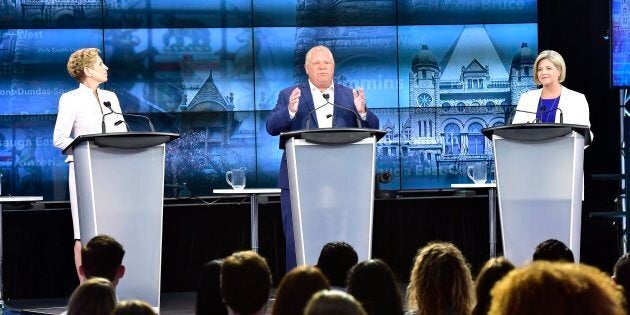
<point>38,244</point>
<point>579,31</point>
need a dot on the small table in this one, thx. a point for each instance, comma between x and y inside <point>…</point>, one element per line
<point>253,205</point>
<point>492,211</point>
<point>3,200</point>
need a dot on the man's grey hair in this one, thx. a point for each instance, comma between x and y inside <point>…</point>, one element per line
<point>319,48</point>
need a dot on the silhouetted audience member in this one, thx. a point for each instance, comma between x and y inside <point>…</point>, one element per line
<point>245,283</point>
<point>373,284</point>
<point>553,250</point>
<point>209,300</point>
<point>102,257</point>
<point>335,260</point>
<point>296,288</point>
<point>556,288</point>
<point>133,307</point>
<point>440,282</point>
<point>621,275</point>
<point>95,296</point>
<point>333,302</point>
<point>491,272</point>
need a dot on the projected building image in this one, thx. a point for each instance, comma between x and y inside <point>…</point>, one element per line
<point>212,73</point>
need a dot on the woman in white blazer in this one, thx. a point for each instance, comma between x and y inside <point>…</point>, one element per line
<point>81,112</point>
<point>553,100</point>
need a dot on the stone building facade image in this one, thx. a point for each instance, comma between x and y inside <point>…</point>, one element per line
<point>450,100</point>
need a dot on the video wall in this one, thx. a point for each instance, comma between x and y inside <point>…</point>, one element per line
<point>620,50</point>
<point>434,72</point>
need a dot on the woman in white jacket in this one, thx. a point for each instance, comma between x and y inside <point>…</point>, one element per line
<point>81,111</point>
<point>553,100</point>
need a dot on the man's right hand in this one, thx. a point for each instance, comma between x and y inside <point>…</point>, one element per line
<point>294,99</point>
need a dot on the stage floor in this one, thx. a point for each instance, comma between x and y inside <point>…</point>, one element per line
<point>172,304</point>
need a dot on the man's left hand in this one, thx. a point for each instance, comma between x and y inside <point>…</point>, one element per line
<point>359,100</point>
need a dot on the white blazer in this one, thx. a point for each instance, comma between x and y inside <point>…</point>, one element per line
<point>573,105</point>
<point>80,114</point>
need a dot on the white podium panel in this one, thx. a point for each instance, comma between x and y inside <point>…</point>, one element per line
<point>120,193</point>
<point>332,195</point>
<point>540,193</point>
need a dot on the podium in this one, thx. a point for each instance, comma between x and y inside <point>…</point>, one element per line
<point>120,188</point>
<point>539,178</point>
<point>331,178</point>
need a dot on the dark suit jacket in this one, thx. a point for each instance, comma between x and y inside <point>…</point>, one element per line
<point>280,121</point>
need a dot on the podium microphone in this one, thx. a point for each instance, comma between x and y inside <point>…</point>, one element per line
<point>308,118</point>
<point>536,120</point>
<point>356,115</point>
<point>109,105</point>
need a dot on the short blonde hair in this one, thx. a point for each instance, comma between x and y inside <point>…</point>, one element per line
<point>318,48</point>
<point>80,59</point>
<point>557,288</point>
<point>556,59</point>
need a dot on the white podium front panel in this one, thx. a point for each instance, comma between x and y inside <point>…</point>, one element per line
<point>120,193</point>
<point>332,196</point>
<point>540,193</point>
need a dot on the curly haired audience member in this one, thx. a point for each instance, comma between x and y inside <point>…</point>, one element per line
<point>372,282</point>
<point>440,282</point>
<point>553,288</point>
<point>296,288</point>
<point>491,272</point>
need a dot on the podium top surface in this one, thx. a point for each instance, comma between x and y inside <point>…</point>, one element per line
<point>331,135</point>
<point>473,185</point>
<point>124,140</point>
<point>537,131</point>
<point>249,191</point>
<point>8,199</point>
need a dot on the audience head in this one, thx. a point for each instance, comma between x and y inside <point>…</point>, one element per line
<point>209,300</point>
<point>133,307</point>
<point>102,257</point>
<point>332,302</point>
<point>335,260</point>
<point>245,282</point>
<point>621,272</point>
<point>556,288</point>
<point>296,288</point>
<point>440,281</point>
<point>95,296</point>
<point>373,284</point>
<point>621,275</point>
<point>553,250</point>
<point>494,270</point>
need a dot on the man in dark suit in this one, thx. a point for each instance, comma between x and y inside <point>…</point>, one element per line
<point>292,112</point>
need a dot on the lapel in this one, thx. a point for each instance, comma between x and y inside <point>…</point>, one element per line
<point>307,98</point>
